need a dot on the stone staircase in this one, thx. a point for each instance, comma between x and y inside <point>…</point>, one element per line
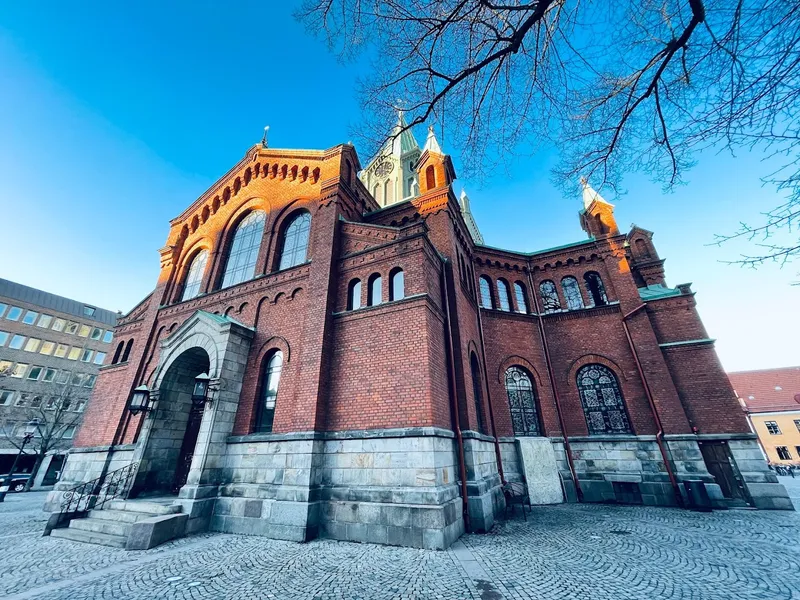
<point>129,524</point>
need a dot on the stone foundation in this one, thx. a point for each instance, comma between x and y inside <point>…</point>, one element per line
<point>484,492</point>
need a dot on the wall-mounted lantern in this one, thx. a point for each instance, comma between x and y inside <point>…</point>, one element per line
<point>140,400</point>
<point>200,392</point>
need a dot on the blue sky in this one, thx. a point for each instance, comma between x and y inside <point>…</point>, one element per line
<point>114,118</point>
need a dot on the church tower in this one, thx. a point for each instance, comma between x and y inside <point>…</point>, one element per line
<point>391,176</point>
<point>597,216</point>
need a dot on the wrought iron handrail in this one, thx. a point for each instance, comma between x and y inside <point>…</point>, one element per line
<point>95,493</point>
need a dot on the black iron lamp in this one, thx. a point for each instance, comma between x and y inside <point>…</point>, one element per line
<point>200,392</point>
<point>140,400</point>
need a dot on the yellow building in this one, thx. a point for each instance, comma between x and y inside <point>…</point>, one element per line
<point>771,399</point>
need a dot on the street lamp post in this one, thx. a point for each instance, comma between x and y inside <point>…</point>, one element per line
<point>30,429</point>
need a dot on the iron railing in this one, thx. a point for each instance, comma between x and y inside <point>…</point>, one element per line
<point>95,493</point>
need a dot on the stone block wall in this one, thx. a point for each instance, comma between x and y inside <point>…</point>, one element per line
<point>484,491</point>
<point>762,484</point>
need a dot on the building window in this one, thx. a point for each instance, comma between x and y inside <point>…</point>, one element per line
<point>773,428</point>
<point>74,353</point>
<point>397,284</point>
<point>69,432</point>
<point>63,377</point>
<point>550,301</point>
<point>88,311</point>
<point>503,298</point>
<point>3,308</point>
<point>3,338</point>
<point>5,366</point>
<point>44,321</point>
<point>17,342</point>
<point>14,313</point>
<point>783,453</point>
<point>86,355</point>
<point>32,345</point>
<point>430,177</point>
<point>22,401</point>
<point>595,288</point>
<point>35,373</point>
<point>522,402</point>
<point>602,400</point>
<point>374,290</point>
<point>477,391</point>
<point>77,379</point>
<point>797,424</point>
<point>47,348</point>
<point>49,375</point>
<point>486,292</point>
<point>572,293</point>
<point>99,358</point>
<point>59,324</point>
<point>294,247</point>
<point>194,278</point>
<point>6,396</point>
<point>88,383</point>
<point>30,317</point>
<point>84,330</point>
<point>128,348</point>
<point>72,327</point>
<point>519,294</point>
<point>61,350</point>
<point>96,334</point>
<point>270,380</point>
<point>354,294</point>
<point>243,253</point>
<point>19,370</point>
<point>108,337</point>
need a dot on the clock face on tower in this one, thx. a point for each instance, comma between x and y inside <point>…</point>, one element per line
<point>383,168</point>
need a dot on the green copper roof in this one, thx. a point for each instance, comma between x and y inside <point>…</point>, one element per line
<point>656,291</point>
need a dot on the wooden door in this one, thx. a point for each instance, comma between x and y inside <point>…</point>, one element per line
<point>719,463</point>
<point>187,448</point>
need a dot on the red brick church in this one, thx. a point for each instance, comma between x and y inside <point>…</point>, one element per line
<point>377,373</point>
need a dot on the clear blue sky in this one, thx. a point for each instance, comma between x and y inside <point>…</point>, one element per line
<point>113,118</point>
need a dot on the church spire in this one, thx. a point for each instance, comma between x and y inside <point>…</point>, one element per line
<point>590,195</point>
<point>431,143</point>
<point>597,216</point>
<point>472,225</point>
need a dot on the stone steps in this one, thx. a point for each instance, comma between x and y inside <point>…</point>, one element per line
<point>144,506</point>
<point>95,525</point>
<point>89,537</point>
<point>120,516</point>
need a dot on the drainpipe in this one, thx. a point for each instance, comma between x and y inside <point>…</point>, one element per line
<point>489,400</point>
<point>546,348</point>
<point>660,434</point>
<point>454,400</point>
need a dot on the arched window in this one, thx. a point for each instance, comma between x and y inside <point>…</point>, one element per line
<point>375,290</point>
<point>519,293</point>
<point>294,250</point>
<point>602,400</point>
<point>641,248</point>
<point>376,193</point>
<point>430,177</point>
<point>397,284</point>
<point>127,353</point>
<point>572,293</point>
<point>596,289</point>
<point>486,292</point>
<point>354,294</point>
<point>243,253</point>
<point>194,276</point>
<point>522,402</point>
<point>270,379</point>
<point>477,391</point>
<point>503,298</point>
<point>118,353</point>
<point>550,301</point>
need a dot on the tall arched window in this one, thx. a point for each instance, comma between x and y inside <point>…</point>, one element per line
<point>641,248</point>
<point>294,248</point>
<point>354,294</point>
<point>430,177</point>
<point>270,379</point>
<point>243,253</point>
<point>602,400</point>
<point>486,292</point>
<point>503,298</point>
<point>127,353</point>
<point>376,193</point>
<point>477,391</point>
<point>118,353</point>
<point>375,290</point>
<point>397,284</point>
<point>572,293</point>
<point>388,191</point>
<point>519,293</point>
<point>194,277</point>
<point>550,301</point>
<point>596,289</point>
<point>522,402</point>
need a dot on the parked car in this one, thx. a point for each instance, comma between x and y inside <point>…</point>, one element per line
<point>18,481</point>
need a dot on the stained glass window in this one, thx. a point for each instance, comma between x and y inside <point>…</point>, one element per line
<point>522,402</point>
<point>270,380</point>
<point>243,253</point>
<point>572,293</point>
<point>596,289</point>
<point>522,303</point>
<point>502,295</point>
<point>486,292</point>
<point>550,301</point>
<point>295,242</point>
<point>602,400</point>
<point>195,275</point>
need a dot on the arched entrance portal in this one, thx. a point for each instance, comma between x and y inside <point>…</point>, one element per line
<point>175,425</point>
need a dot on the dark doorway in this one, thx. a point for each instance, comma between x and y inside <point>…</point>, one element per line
<point>187,448</point>
<point>719,463</point>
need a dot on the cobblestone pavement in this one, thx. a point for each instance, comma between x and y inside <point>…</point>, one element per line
<point>581,552</point>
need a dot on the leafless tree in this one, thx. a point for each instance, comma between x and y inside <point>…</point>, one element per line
<point>56,411</point>
<point>617,87</point>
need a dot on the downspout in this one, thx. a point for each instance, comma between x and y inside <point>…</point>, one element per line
<point>454,400</point>
<point>489,400</point>
<point>546,348</point>
<point>660,433</point>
